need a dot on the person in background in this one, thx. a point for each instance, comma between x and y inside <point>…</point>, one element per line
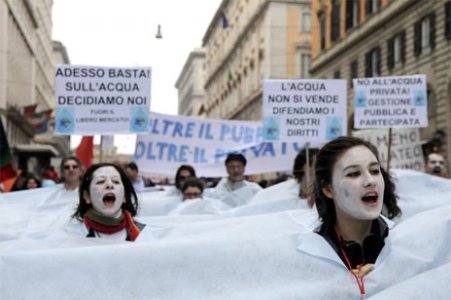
<point>303,173</point>
<point>139,182</point>
<point>435,165</point>
<point>32,182</point>
<point>351,188</point>
<point>234,190</point>
<point>192,188</point>
<point>183,172</point>
<point>107,204</point>
<point>71,172</point>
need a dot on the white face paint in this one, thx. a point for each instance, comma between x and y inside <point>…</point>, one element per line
<point>357,185</point>
<point>106,192</point>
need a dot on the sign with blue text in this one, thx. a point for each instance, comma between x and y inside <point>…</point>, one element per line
<point>405,150</point>
<point>304,111</point>
<point>101,100</point>
<point>390,102</point>
<point>205,143</point>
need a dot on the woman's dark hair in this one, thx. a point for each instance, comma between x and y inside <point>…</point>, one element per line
<point>179,178</point>
<point>131,200</point>
<point>32,177</point>
<point>63,162</point>
<point>325,162</point>
<point>301,160</point>
<point>193,182</point>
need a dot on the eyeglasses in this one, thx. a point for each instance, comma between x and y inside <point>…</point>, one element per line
<point>68,167</point>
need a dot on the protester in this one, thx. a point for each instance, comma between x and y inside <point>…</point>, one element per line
<point>107,204</point>
<point>303,173</point>
<point>435,165</point>
<point>139,182</point>
<point>183,172</point>
<point>32,182</point>
<point>192,188</point>
<point>350,189</point>
<point>71,172</point>
<point>234,190</point>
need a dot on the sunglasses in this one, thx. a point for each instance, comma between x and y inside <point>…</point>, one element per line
<point>68,167</point>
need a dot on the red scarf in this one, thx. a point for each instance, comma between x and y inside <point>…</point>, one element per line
<point>127,222</point>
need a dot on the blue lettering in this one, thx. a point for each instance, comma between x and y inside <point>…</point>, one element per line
<point>172,153</point>
<point>296,147</point>
<point>184,149</point>
<point>224,130</point>
<point>219,153</point>
<point>140,150</point>
<point>189,129</point>
<point>154,126</point>
<point>248,135</point>
<point>161,147</point>
<point>166,125</point>
<point>178,130</point>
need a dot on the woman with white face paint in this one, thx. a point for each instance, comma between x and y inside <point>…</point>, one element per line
<point>108,203</point>
<point>351,188</point>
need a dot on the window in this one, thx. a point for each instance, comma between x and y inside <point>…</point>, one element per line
<point>337,74</point>
<point>372,6</point>
<point>448,20</point>
<point>424,34</point>
<point>306,21</point>
<point>396,52</point>
<point>352,13</point>
<point>305,60</point>
<point>354,69</point>
<point>322,25</point>
<point>373,62</point>
<point>335,22</point>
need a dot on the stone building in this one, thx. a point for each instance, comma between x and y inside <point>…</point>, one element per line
<point>369,38</point>
<point>248,41</point>
<point>26,78</point>
<point>190,85</point>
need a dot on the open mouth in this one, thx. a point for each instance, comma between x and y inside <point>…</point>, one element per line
<point>370,198</point>
<point>109,199</point>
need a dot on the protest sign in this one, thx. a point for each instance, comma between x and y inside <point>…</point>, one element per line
<point>205,143</point>
<point>304,111</point>
<point>390,102</point>
<point>405,152</point>
<point>101,100</point>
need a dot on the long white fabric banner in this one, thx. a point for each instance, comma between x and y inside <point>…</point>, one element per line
<point>256,251</point>
<point>205,143</point>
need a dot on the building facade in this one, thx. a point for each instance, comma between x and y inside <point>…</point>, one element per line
<point>190,85</point>
<point>248,41</point>
<point>26,76</point>
<point>371,38</point>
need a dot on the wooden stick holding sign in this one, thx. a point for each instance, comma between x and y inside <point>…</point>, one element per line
<point>307,161</point>
<point>389,148</point>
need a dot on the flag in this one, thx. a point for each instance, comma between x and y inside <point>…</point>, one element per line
<point>40,121</point>
<point>225,22</point>
<point>6,160</point>
<point>85,151</point>
<point>28,111</point>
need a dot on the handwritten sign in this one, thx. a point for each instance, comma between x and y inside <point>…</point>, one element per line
<point>406,151</point>
<point>205,143</point>
<point>306,111</point>
<point>396,102</point>
<point>101,100</point>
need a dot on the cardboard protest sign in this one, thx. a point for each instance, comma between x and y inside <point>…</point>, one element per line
<point>205,143</point>
<point>101,100</point>
<point>406,151</point>
<point>305,111</point>
<point>390,102</point>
